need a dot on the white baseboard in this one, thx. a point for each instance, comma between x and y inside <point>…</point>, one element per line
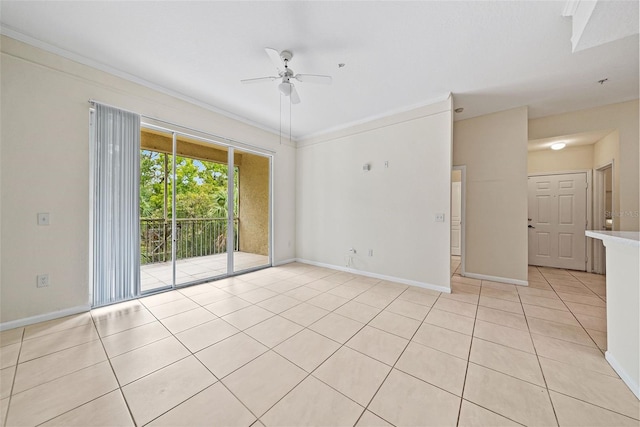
<point>283,262</point>
<point>630,382</point>
<point>496,279</point>
<point>43,317</point>
<point>378,276</point>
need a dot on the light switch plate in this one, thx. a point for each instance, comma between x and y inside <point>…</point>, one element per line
<point>43,218</point>
<point>440,217</point>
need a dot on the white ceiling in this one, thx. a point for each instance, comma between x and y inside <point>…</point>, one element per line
<point>491,55</point>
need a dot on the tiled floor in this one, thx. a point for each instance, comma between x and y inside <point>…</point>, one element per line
<point>160,275</point>
<point>299,345</point>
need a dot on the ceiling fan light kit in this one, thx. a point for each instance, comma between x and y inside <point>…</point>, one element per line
<point>285,74</point>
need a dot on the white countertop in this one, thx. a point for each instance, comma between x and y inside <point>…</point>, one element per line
<point>630,238</point>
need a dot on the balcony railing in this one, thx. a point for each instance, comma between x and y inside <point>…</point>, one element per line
<point>194,237</point>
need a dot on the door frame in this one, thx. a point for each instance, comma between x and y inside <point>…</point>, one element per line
<point>598,209</point>
<point>463,216</point>
<point>589,173</point>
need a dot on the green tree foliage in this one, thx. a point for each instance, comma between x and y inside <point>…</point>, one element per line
<point>201,187</point>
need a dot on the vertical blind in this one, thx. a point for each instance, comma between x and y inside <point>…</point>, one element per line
<point>115,171</point>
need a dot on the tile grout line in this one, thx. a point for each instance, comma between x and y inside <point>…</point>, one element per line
<point>13,382</point>
<point>466,370</point>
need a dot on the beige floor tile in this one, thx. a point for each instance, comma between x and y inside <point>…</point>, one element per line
<point>230,354</point>
<point>279,303</point>
<point>262,382</point>
<point>408,309</point>
<point>247,317</point>
<point>237,287</point>
<point>4,405</point>
<point>142,361</point>
<point>598,389</point>
<point>518,364</point>
<point>472,415</point>
<point>110,325</point>
<point>9,355</point>
<point>201,336</point>
<point>599,337</point>
<point>407,401</point>
<point>499,286</point>
<point>6,381</point>
<point>357,311</point>
<point>378,344</point>
<point>328,301</point>
<point>448,320</point>
<point>550,314</point>
<point>336,327</point>
<point>56,341</point>
<point>570,333</point>
<point>61,395</point>
<point>344,291</point>
<point>509,337</point>
<point>172,308</point>
<point>418,297</point>
<point>307,349</point>
<point>574,354</point>
<point>227,306</point>
<point>162,390</point>
<point>353,374</point>
<point>508,295</point>
<point>209,297</point>
<point>313,403</point>
<point>375,299</point>
<point>106,411</point>
<point>500,304</point>
<point>188,319</point>
<point>302,293</point>
<point>499,317</point>
<point>11,336</point>
<point>586,309</point>
<point>273,331</point>
<point>304,314</point>
<point>165,297</point>
<point>396,324</point>
<point>525,290</point>
<point>134,338</point>
<point>579,290</point>
<point>55,365</point>
<point>445,340</point>
<point>555,303</point>
<point>433,366</point>
<point>257,295</point>
<point>190,291</point>
<point>456,307</point>
<point>512,398</point>
<point>369,419</point>
<point>573,412</point>
<point>582,299</point>
<point>282,286</point>
<point>214,406</point>
<point>465,297</point>
<point>466,280</point>
<point>57,325</point>
<point>590,322</point>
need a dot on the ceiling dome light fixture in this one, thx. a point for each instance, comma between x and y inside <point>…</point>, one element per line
<point>558,146</point>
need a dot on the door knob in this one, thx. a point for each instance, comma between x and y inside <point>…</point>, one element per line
<point>530,226</point>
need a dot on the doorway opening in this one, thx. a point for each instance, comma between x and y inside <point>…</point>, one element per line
<point>458,176</point>
<point>603,196</point>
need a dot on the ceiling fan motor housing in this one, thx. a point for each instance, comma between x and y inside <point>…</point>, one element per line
<point>286,55</point>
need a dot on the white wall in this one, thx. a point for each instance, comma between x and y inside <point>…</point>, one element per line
<point>390,210</point>
<point>494,149</point>
<point>45,168</point>
<point>622,117</point>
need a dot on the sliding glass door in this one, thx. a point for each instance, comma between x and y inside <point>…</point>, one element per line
<point>204,210</point>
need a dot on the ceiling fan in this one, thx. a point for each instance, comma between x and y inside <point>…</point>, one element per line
<point>285,74</point>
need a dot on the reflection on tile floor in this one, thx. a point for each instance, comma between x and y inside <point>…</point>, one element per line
<point>160,274</point>
<point>301,345</point>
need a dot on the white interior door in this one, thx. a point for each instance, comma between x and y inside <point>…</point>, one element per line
<point>557,220</point>
<point>456,208</point>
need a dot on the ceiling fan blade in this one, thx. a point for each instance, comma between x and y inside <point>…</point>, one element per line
<point>259,80</point>
<point>314,78</point>
<point>274,56</point>
<point>295,98</point>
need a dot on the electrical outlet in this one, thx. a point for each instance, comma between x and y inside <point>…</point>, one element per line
<point>370,252</point>
<point>439,217</point>
<point>42,281</point>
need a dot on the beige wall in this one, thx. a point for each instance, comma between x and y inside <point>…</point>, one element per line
<point>622,117</point>
<point>605,151</point>
<point>494,150</point>
<point>253,177</point>
<point>45,168</point>
<point>390,210</point>
<point>568,159</point>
